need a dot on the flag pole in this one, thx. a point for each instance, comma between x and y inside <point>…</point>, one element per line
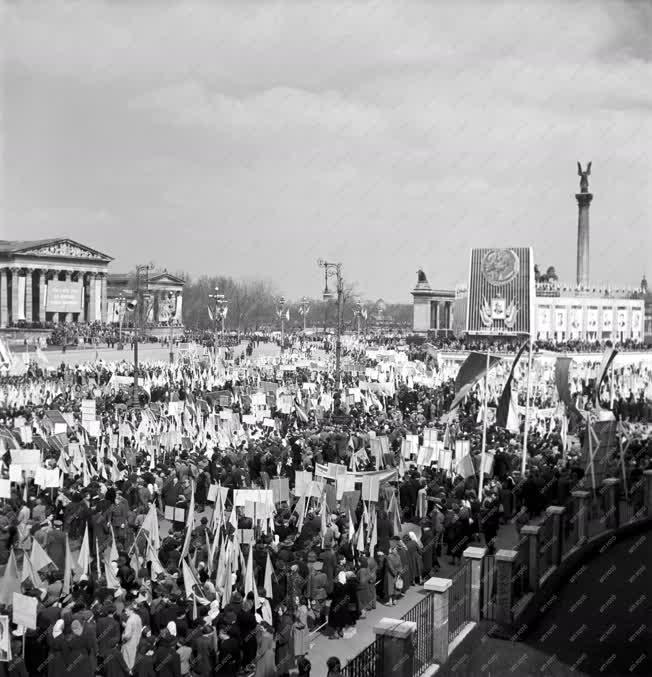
<point>526,427</point>
<point>484,429</point>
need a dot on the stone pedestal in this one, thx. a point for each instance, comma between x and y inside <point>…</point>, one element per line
<point>582,499</point>
<point>610,492</point>
<point>505,562</point>
<point>440,587</point>
<point>397,647</point>
<point>476,556</point>
<point>557,514</point>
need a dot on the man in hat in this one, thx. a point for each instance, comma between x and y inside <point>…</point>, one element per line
<point>55,545</point>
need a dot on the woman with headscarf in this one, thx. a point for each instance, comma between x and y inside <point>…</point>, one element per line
<point>80,651</point>
<point>265,657</point>
<point>364,587</point>
<point>131,636</point>
<point>284,643</point>
<point>167,662</point>
<point>57,650</point>
<point>300,633</point>
<point>393,569</point>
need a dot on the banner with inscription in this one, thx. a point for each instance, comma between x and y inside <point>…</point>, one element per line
<point>64,297</point>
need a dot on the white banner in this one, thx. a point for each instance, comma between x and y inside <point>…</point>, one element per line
<point>592,319</point>
<point>544,318</point>
<point>622,320</point>
<point>98,301</point>
<point>560,319</point>
<point>607,318</point>
<point>20,310</point>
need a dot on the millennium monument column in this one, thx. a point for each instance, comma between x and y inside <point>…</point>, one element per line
<point>583,201</point>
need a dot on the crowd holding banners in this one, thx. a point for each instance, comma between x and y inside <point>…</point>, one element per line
<point>322,503</point>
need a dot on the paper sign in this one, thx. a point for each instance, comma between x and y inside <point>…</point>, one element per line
<point>344,483</point>
<point>179,515</point>
<point>24,610</point>
<point>370,487</point>
<point>249,419</point>
<point>169,513</point>
<point>15,473</point>
<point>212,493</point>
<point>26,434</point>
<point>5,488</point>
<point>302,479</point>
<point>51,478</point>
<point>92,428</point>
<point>280,489</point>
<point>226,415</point>
<point>246,536</point>
<point>28,459</point>
<point>269,423</point>
<point>60,428</point>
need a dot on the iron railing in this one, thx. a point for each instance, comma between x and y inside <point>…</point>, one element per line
<point>423,614</point>
<point>368,662</point>
<point>459,601</point>
<point>488,586</point>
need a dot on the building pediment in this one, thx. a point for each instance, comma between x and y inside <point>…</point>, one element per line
<point>60,248</point>
<point>166,278</point>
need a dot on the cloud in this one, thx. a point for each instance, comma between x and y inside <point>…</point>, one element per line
<point>380,131</point>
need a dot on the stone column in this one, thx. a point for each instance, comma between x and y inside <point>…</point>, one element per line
<point>92,297</point>
<point>582,499</point>
<point>647,489</point>
<point>396,654</point>
<point>532,532</point>
<point>611,516</point>
<point>557,514</point>
<point>178,308</point>
<point>42,281</point>
<point>583,202</point>
<point>505,560</point>
<point>440,587</point>
<point>29,300</point>
<point>103,305</point>
<point>14,295</point>
<point>476,556</point>
<point>4,298</point>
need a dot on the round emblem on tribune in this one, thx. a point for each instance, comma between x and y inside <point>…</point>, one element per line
<point>500,266</point>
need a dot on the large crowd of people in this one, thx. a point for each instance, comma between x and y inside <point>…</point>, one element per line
<point>142,558</point>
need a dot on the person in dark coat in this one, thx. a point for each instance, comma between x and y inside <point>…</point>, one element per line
<point>55,545</point>
<point>204,658</point>
<point>80,651</point>
<point>247,625</point>
<point>167,662</point>
<point>384,531</point>
<point>57,650</point>
<point>107,630</point>
<point>113,664</point>
<point>428,542</point>
<point>285,657</point>
<point>229,653</point>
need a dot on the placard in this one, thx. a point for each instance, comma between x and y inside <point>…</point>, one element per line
<point>370,486</point>
<point>249,419</point>
<point>280,489</point>
<point>15,473</point>
<point>28,459</point>
<point>51,478</point>
<point>5,488</point>
<point>344,483</point>
<point>169,513</point>
<point>269,423</point>
<point>24,610</point>
<point>302,479</point>
<point>246,536</point>
<point>212,493</point>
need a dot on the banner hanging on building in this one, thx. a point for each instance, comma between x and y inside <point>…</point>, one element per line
<point>64,297</point>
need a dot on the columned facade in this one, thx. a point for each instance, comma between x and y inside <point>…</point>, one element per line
<point>433,308</point>
<point>50,281</point>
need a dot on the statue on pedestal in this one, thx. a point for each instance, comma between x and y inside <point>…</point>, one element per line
<point>584,177</point>
<point>421,277</point>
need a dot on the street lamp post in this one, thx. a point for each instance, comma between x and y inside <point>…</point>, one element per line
<point>221,307</point>
<point>281,312</point>
<point>335,270</point>
<point>138,318</point>
<point>304,307</point>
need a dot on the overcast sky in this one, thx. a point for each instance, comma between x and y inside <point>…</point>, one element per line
<point>251,138</point>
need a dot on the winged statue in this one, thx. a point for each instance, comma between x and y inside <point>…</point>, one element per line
<point>584,177</point>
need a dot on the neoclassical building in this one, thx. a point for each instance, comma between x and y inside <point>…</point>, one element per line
<point>53,280</point>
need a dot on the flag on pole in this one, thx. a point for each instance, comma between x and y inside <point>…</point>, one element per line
<point>67,570</point>
<point>84,559</point>
<point>150,524</point>
<point>250,583</point>
<point>10,582</point>
<point>471,371</point>
<point>269,572</point>
<point>190,524</point>
<point>507,412</point>
<point>607,359</point>
<point>39,557</point>
<point>112,581</point>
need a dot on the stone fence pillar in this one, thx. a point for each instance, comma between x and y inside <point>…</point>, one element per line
<point>440,587</point>
<point>611,516</point>
<point>397,657</point>
<point>532,532</point>
<point>476,556</point>
<point>558,515</point>
<point>647,487</point>
<point>582,499</point>
<point>505,562</point>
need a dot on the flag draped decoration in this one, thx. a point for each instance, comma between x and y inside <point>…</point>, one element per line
<point>607,359</point>
<point>507,413</point>
<point>471,371</point>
